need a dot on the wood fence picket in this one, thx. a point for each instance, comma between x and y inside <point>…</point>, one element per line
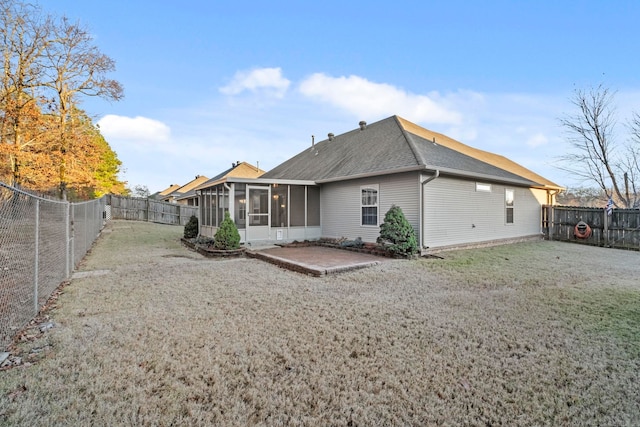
<point>140,209</point>
<point>620,229</point>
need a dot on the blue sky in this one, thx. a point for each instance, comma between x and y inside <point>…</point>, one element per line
<point>208,83</point>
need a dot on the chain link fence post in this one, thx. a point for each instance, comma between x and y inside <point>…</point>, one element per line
<point>67,247</point>
<point>36,257</point>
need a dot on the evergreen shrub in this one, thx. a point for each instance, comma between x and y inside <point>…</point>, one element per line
<point>397,235</point>
<point>191,228</point>
<point>227,236</point>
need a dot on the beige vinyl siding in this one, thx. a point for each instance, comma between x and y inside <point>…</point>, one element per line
<point>340,203</point>
<point>457,214</point>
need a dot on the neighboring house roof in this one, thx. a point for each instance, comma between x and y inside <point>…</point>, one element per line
<point>167,191</point>
<point>188,195</point>
<point>237,170</point>
<point>181,190</point>
<point>394,145</point>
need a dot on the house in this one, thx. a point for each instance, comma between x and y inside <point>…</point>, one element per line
<point>451,193</point>
<point>183,194</point>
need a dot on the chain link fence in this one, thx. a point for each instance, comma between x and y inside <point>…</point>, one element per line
<point>41,242</point>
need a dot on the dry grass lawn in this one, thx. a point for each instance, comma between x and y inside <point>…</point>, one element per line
<point>542,333</point>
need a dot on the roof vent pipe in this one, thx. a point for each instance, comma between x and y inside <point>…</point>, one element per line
<point>363,125</point>
<point>331,136</point>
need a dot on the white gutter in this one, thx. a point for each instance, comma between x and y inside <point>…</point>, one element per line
<point>421,225</point>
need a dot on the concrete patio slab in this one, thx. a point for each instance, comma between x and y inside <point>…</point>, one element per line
<point>316,260</point>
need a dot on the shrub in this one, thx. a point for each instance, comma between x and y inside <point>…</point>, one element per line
<point>357,243</point>
<point>204,241</point>
<point>191,228</point>
<point>397,234</point>
<point>227,236</point>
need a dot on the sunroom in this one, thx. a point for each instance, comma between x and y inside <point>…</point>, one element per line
<point>264,210</point>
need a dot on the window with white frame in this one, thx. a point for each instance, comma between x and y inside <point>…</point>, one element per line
<point>369,204</point>
<point>509,196</point>
<point>480,186</point>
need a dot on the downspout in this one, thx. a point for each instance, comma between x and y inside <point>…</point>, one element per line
<point>423,183</point>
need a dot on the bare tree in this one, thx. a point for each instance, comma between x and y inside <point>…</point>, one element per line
<point>632,161</point>
<point>141,191</point>
<point>581,196</point>
<point>75,68</point>
<point>595,157</point>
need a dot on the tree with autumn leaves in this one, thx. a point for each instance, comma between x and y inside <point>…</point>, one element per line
<point>46,142</point>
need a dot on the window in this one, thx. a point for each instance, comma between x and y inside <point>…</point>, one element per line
<point>313,206</point>
<point>205,210</point>
<point>240,192</point>
<point>483,187</point>
<point>297,205</point>
<point>258,210</point>
<point>304,199</point>
<point>508,202</point>
<point>369,205</point>
<point>279,196</point>
<point>223,204</point>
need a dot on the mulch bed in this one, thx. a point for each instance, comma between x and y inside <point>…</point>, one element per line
<point>365,248</point>
<point>211,252</point>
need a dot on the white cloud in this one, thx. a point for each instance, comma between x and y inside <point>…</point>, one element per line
<point>137,128</point>
<point>537,140</point>
<point>269,80</point>
<point>371,100</point>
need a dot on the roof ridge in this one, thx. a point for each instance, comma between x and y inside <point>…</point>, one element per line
<point>416,153</point>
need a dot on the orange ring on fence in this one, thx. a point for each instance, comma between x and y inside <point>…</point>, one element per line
<point>582,230</point>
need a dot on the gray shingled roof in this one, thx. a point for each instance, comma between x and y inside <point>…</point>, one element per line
<point>383,147</point>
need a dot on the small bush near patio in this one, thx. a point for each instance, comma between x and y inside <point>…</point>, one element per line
<point>191,228</point>
<point>397,234</point>
<point>227,236</point>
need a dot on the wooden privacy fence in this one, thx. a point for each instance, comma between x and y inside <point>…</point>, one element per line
<point>620,229</point>
<point>138,209</point>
